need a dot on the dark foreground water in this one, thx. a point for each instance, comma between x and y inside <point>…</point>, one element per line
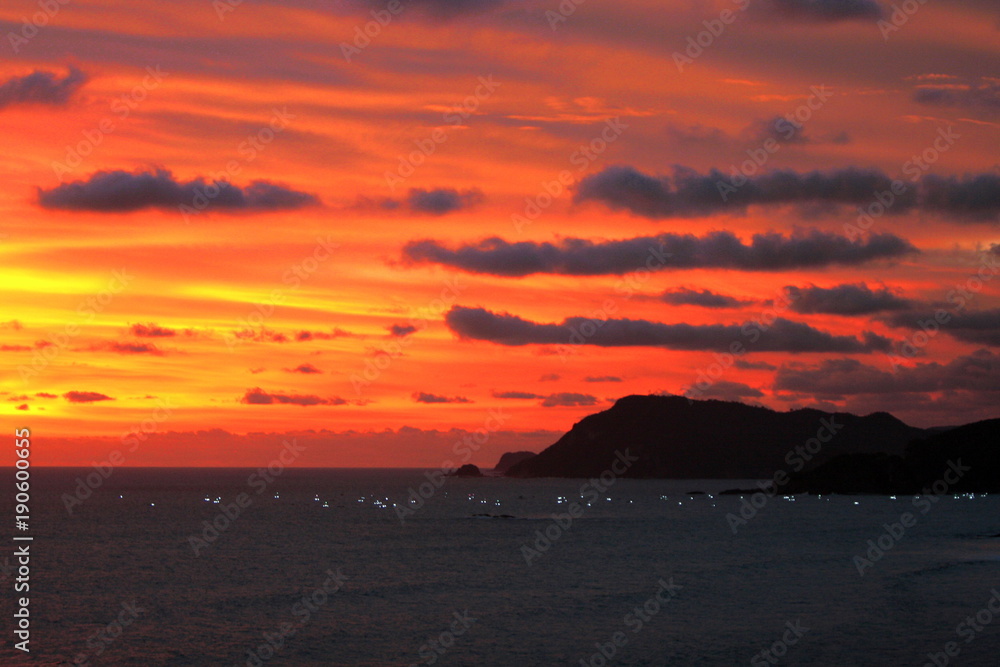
<point>319,569</point>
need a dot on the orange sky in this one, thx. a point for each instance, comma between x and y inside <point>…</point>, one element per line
<point>126,309</point>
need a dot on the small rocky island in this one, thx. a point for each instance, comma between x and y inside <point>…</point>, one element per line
<point>468,470</point>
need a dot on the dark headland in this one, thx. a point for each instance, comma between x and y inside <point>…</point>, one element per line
<point>821,452</point>
<point>511,459</point>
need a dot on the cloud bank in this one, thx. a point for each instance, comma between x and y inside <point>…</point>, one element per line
<point>781,336</point>
<point>122,191</point>
<point>722,249</point>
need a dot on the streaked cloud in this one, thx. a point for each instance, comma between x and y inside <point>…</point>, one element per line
<point>780,336</point>
<point>568,399</point>
<point>853,299</point>
<point>836,378</point>
<point>122,191</point>
<point>686,193</point>
<point>258,396</point>
<point>685,296</point>
<point>983,94</point>
<point>770,251</point>
<point>980,327</point>
<point>306,369</point>
<point>86,397</point>
<point>435,201</point>
<point>521,395</point>
<point>825,10</point>
<point>424,397</point>
<point>42,87</point>
<point>151,330</point>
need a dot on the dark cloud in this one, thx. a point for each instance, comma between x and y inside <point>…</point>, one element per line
<point>424,397</point>
<point>258,396</point>
<point>981,94</point>
<point>778,129</point>
<point>722,249</point>
<point>44,394</point>
<point>684,296</point>
<point>85,397</point>
<point>841,138</point>
<point>261,335</point>
<point>122,191</point>
<point>687,193</point>
<point>836,378</point>
<point>743,364</point>
<point>602,378</point>
<point>303,368</point>
<point>726,390</point>
<point>151,330</point>
<point>981,327</point>
<point>41,87</point>
<point>696,135</point>
<point>783,131</point>
<point>402,330</point>
<point>825,10</point>
<point>781,336</point>
<point>441,10</point>
<point>438,201</point>
<point>973,197</point>
<point>550,377</point>
<point>322,335</point>
<point>856,299</point>
<point>568,399</point>
<point>442,200</point>
<point>265,335</point>
<point>516,394</point>
<point>126,348</point>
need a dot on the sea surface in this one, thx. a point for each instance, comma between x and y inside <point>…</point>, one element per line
<point>319,568</point>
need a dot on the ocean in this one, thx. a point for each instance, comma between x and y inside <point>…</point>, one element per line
<point>358,567</point>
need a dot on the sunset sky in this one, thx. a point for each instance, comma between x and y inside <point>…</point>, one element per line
<point>487,214</point>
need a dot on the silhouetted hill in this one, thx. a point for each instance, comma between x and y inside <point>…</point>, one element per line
<point>673,436</point>
<point>966,458</point>
<point>512,458</point>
